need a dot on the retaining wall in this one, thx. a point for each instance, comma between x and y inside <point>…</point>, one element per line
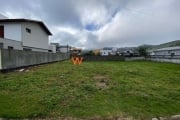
<point>103,58</point>
<point>165,58</point>
<point>17,58</point>
<point>170,60</point>
<point>111,58</point>
<point>134,58</point>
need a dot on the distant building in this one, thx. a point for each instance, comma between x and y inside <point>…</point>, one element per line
<point>128,51</point>
<point>24,34</point>
<point>57,46</point>
<point>61,48</point>
<point>75,51</point>
<point>150,52</point>
<point>64,48</point>
<point>52,48</point>
<point>169,51</point>
<point>96,52</point>
<point>108,51</point>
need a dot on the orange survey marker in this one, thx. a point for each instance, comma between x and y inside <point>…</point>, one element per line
<point>77,60</point>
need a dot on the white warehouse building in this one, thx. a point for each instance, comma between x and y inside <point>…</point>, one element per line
<point>169,51</point>
<point>106,51</point>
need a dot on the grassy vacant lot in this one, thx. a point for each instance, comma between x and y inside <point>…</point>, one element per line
<point>138,89</point>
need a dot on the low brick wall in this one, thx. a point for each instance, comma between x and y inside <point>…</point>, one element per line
<point>18,58</point>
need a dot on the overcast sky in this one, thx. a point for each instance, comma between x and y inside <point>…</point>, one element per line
<point>102,23</point>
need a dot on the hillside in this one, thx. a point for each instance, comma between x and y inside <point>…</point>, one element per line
<point>168,44</point>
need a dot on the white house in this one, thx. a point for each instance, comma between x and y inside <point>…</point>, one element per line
<point>108,51</point>
<point>24,34</point>
<point>52,48</point>
<point>128,51</point>
<point>64,48</point>
<point>168,51</point>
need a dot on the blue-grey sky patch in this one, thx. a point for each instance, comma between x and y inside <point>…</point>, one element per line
<point>92,27</point>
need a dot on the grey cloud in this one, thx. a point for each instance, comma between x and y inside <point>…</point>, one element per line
<point>146,23</point>
<point>61,12</point>
<point>22,8</point>
<point>120,22</point>
<point>65,38</point>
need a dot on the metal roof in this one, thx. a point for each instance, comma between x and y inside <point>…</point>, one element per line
<point>169,48</point>
<point>27,20</point>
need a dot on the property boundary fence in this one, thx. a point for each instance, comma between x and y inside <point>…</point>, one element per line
<point>164,58</point>
<point>17,58</point>
<point>103,58</point>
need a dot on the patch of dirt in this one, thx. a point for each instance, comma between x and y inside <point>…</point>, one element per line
<point>102,82</point>
<point>27,69</point>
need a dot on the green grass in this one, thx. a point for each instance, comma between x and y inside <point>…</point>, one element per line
<point>139,89</point>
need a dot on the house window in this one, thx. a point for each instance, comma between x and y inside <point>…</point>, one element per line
<point>1,31</point>
<point>49,50</point>
<point>10,47</point>
<point>28,30</point>
<point>27,49</point>
<point>172,54</point>
<point>1,45</point>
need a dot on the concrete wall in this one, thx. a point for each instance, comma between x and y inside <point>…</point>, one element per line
<point>17,58</point>
<point>38,38</point>
<point>103,58</point>
<point>111,58</point>
<point>165,56</point>
<point>164,60</point>
<point>134,58</point>
<point>12,43</point>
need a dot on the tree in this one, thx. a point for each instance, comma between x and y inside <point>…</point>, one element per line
<point>88,53</point>
<point>143,50</point>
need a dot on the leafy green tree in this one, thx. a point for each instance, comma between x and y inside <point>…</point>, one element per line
<point>143,50</point>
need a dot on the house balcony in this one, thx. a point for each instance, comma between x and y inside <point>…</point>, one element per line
<point>10,44</point>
